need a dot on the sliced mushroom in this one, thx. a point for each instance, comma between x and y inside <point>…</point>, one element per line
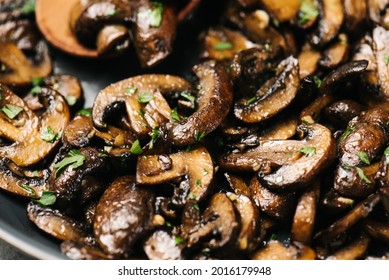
<point>219,227</point>
<point>378,230</point>
<point>356,15</point>
<point>139,94</point>
<point>124,214</point>
<point>384,193</point>
<point>33,137</point>
<point>341,226</point>
<point>336,54</point>
<point>354,251</point>
<point>238,185</point>
<point>381,50</point>
<point>342,112</point>
<point>275,250</point>
<point>304,219</point>
<point>213,101</point>
<point>79,132</point>
<point>68,86</point>
<point>331,20</point>
<point>21,32</point>
<point>56,224</point>
<point>162,246</point>
<point>369,135</point>
<point>79,251</point>
<point>375,9</point>
<point>335,203</point>
<point>282,10</point>
<point>308,62</point>
<point>275,95</point>
<point>17,70</point>
<point>296,168</point>
<point>197,164</point>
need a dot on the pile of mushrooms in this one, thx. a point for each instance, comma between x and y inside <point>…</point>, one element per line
<point>275,146</point>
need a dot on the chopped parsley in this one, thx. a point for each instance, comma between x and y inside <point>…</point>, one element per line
<point>223,46</point>
<point>11,111</point>
<point>362,175</point>
<point>318,81</point>
<point>47,198</point>
<point>308,151</point>
<point>153,16</point>
<point>29,7</point>
<point>251,100</point>
<point>188,96</point>
<point>131,90</point>
<point>308,11</point>
<point>74,159</point>
<point>71,100</point>
<point>346,133</point>
<point>196,206</point>
<point>136,148</point>
<point>386,59</point>
<point>36,85</point>
<point>363,157</point>
<point>178,240</point>
<point>111,13</point>
<point>154,135</point>
<point>199,136</point>
<point>206,172</point>
<point>49,135</point>
<point>85,112</point>
<point>28,189</point>
<point>192,196</point>
<point>145,97</point>
<point>174,115</point>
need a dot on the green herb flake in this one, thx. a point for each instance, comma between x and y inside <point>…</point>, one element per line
<point>29,7</point>
<point>153,16</point>
<point>37,81</point>
<point>74,159</point>
<point>188,96</point>
<point>192,196</point>
<point>131,90</point>
<point>346,133</point>
<point>308,151</point>
<point>251,100</point>
<point>71,100</point>
<point>198,183</point>
<point>199,136</point>
<point>35,173</point>
<point>141,113</point>
<point>196,206</point>
<point>362,175</point>
<point>136,148</point>
<point>386,59</point>
<point>363,157</point>
<point>174,115</point>
<point>318,81</point>
<point>345,166</point>
<point>168,224</point>
<point>267,47</point>
<point>85,112</point>
<point>274,236</point>
<point>11,111</point>
<point>49,135</point>
<point>178,240</point>
<point>28,189</point>
<point>145,97</point>
<point>308,11</point>
<point>47,198</point>
<point>276,23</point>
<point>154,135</point>
<point>206,172</point>
<point>112,13</point>
<point>223,46</point>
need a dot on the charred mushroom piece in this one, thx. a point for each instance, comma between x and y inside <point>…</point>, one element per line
<point>275,250</point>
<point>33,137</point>
<point>220,225</point>
<point>299,161</point>
<point>342,112</point>
<point>197,164</point>
<point>56,224</point>
<point>162,246</point>
<point>79,251</point>
<point>79,132</point>
<point>282,10</point>
<point>336,54</point>
<point>124,214</point>
<point>17,70</point>
<point>275,95</point>
<point>331,20</point>
<point>334,203</point>
<point>139,94</point>
<point>213,102</point>
<point>354,251</point>
<point>68,86</point>
<point>308,63</point>
<point>378,230</point>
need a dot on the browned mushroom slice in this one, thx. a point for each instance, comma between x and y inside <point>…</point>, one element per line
<point>331,20</point>
<point>275,95</point>
<point>162,246</point>
<point>356,182</point>
<point>67,179</point>
<point>361,210</point>
<point>384,193</point>
<point>342,112</point>
<point>238,185</point>
<point>336,54</point>
<point>378,230</point>
<point>282,129</point>
<point>282,10</point>
<point>124,214</point>
<point>276,205</point>
<point>375,9</point>
<point>313,111</point>
<point>251,231</point>
<point>56,224</point>
<point>11,9</point>
<point>213,101</point>
<point>308,62</point>
<point>369,136</point>
<point>354,251</point>
<point>112,40</point>
<point>17,70</point>
<point>139,94</point>
<point>32,137</point>
<point>154,35</point>
<point>79,251</point>
<point>20,181</point>
<point>222,43</point>
<point>335,203</point>
<point>356,15</point>
<point>299,161</point>
<point>197,164</point>
<point>381,49</point>
<point>275,250</point>
<point>305,215</point>
<point>20,32</point>
<point>68,86</point>
<point>79,132</point>
<point>219,227</point>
